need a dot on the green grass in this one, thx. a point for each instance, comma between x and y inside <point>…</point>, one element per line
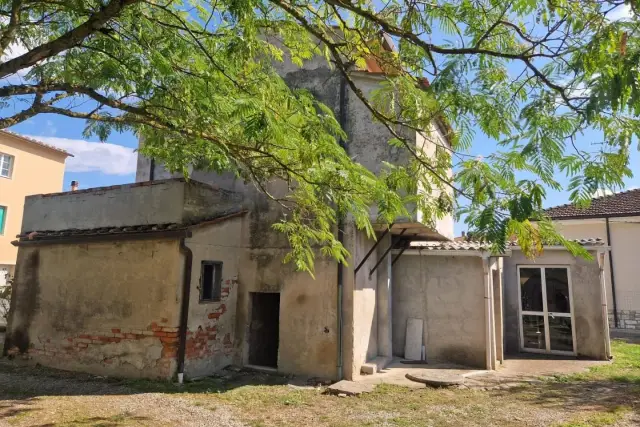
<point>624,368</point>
<point>261,400</point>
<point>599,419</point>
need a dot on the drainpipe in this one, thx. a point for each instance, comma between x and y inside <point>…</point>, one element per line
<point>343,122</point>
<point>184,307</point>
<point>487,310</point>
<point>613,277</point>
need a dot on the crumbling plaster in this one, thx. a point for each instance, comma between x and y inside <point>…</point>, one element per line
<point>97,307</point>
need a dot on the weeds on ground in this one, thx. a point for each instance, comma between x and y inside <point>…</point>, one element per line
<point>599,419</point>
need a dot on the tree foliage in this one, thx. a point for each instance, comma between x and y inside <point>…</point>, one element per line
<point>196,80</point>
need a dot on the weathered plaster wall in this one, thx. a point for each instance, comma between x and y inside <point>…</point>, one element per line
<point>448,294</point>
<point>308,311</point>
<point>625,232</point>
<point>155,202</point>
<point>585,282</point>
<point>252,256</point>
<point>211,325</point>
<point>105,308</point>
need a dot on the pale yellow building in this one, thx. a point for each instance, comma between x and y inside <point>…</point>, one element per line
<point>27,166</point>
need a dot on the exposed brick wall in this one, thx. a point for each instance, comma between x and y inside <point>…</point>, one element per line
<point>92,347</point>
<point>205,342</point>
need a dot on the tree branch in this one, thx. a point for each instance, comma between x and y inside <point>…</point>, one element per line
<point>67,40</point>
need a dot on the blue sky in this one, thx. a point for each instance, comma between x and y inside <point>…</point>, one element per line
<point>94,164</point>
<point>113,162</point>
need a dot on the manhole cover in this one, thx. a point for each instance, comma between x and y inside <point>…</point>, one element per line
<point>436,379</point>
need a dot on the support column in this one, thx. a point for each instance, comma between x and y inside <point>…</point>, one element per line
<point>497,308</point>
<point>490,360</point>
<point>603,300</point>
<point>384,292</point>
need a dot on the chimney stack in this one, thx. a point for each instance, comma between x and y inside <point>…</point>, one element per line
<point>74,185</point>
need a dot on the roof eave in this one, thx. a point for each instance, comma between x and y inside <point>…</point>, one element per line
<point>37,143</point>
<point>595,216</point>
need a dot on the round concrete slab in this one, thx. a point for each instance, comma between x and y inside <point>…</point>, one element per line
<point>434,378</point>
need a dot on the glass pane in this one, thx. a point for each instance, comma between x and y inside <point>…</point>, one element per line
<point>557,290</point>
<point>207,282</point>
<point>560,333</point>
<point>533,332</point>
<point>531,289</point>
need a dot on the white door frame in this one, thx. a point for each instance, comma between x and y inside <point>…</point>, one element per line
<point>545,313</point>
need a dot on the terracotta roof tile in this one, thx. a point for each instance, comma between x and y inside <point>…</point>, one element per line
<point>625,203</point>
<point>39,235</point>
<point>482,246</point>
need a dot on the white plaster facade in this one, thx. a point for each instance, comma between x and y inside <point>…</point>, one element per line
<point>624,237</point>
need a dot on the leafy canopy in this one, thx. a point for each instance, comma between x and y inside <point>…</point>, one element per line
<point>196,80</point>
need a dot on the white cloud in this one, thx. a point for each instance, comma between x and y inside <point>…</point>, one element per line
<point>103,157</point>
<point>621,12</point>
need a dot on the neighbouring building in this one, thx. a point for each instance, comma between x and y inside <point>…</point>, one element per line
<point>615,219</point>
<point>168,276</point>
<point>27,166</point>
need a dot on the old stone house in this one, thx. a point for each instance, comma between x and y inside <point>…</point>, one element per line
<point>164,277</point>
<point>169,277</point>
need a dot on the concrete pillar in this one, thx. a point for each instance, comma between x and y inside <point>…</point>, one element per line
<point>488,314</point>
<point>603,301</point>
<point>383,297</point>
<point>497,308</point>
<point>349,371</point>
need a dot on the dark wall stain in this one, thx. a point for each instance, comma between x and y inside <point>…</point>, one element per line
<point>301,299</point>
<point>260,222</point>
<point>461,355</point>
<point>27,295</point>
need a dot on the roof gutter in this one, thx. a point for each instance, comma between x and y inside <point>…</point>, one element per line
<point>147,235</point>
<point>596,216</point>
<point>443,252</point>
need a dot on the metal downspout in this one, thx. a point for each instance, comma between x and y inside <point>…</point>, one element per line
<point>613,276</point>
<point>184,307</point>
<point>343,122</point>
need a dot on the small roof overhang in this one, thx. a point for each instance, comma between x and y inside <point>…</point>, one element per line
<point>129,232</point>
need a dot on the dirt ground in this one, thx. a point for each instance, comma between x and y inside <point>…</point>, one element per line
<point>606,395</point>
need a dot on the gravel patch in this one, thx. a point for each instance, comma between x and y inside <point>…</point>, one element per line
<point>29,400</point>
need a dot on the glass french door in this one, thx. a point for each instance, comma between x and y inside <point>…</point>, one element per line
<point>546,310</point>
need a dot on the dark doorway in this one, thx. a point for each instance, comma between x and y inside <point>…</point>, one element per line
<point>265,323</point>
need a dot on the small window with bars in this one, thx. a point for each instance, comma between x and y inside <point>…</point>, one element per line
<point>210,281</point>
